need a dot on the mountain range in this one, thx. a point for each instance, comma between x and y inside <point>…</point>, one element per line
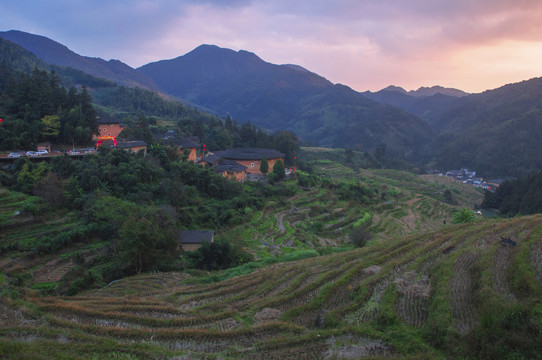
<point>52,52</point>
<point>286,97</point>
<point>495,132</point>
<point>424,91</point>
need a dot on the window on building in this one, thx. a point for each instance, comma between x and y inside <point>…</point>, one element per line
<point>251,164</point>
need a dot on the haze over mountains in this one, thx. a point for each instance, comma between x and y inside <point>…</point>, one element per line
<point>495,132</point>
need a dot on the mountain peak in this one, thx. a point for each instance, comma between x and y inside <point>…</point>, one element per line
<point>214,50</point>
<point>437,89</point>
<point>427,91</point>
<point>395,88</point>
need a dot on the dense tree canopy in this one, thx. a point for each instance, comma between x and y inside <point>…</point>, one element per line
<point>37,108</point>
<point>521,196</point>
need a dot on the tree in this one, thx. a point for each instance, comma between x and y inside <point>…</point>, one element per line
<point>30,174</point>
<point>448,196</point>
<point>50,125</point>
<point>218,255</point>
<point>463,216</point>
<point>147,240</point>
<point>360,235</point>
<point>264,166</point>
<point>278,170</point>
<point>51,188</point>
<point>287,143</point>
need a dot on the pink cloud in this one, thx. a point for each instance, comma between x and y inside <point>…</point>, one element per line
<point>363,44</point>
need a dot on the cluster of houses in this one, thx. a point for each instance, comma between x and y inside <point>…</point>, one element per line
<point>469,177</point>
<point>237,164</point>
<point>241,163</point>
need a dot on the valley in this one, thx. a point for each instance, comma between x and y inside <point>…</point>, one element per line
<point>308,294</point>
<point>359,253</point>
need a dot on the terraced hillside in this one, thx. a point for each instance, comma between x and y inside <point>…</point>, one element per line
<point>27,225</point>
<point>471,291</point>
<point>316,217</point>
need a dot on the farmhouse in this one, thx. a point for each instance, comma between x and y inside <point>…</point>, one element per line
<point>133,146</point>
<point>190,144</point>
<point>252,158</point>
<point>210,160</point>
<point>108,127</point>
<point>191,240</point>
<point>231,170</point>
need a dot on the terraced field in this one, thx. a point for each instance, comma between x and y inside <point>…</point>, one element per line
<point>471,291</point>
<point>316,217</point>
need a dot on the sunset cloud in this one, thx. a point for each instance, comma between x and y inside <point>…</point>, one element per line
<point>472,45</point>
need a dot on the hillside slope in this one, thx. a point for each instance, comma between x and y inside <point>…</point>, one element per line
<point>496,132</point>
<point>286,97</point>
<point>429,108</point>
<point>18,58</point>
<point>55,53</point>
<point>470,291</point>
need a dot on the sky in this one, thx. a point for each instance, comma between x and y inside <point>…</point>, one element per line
<point>472,45</point>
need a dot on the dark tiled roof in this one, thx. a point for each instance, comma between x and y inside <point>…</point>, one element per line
<point>230,166</point>
<point>131,144</point>
<point>250,154</point>
<point>186,143</point>
<point>211,159</point>
<point>108,121</point>
<point>195,236</point>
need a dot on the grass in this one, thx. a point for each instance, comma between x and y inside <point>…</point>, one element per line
<point>213,316</point>
<point>326,299</point>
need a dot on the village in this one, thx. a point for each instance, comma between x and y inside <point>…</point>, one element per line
<point>239,164</point>
<point>470,178</point>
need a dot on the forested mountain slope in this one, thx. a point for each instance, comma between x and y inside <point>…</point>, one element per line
<point>496,132</point>
<point>54,53</point>
<point>285,96</point>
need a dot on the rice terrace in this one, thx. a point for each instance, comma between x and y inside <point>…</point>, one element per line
<point>419,288</point>
<point>216,206</point>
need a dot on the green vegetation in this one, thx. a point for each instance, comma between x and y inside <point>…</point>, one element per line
<point>458,292</point>
<point>264,166</point>
<point>37,108</point>
<point>301,101</point>
<point>521,196</point>
<point>463,216</point>
<point>345,259</point>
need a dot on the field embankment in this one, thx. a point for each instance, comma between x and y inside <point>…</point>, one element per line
<point>471,291</point>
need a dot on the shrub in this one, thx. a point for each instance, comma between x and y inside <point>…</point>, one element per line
<point>264,166</point>
<point>31,207</point>
<point>360,236</point>
<point>307,180</point>
<point>463,216</point>
<point>278,170</point>
<point>218,255</point>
